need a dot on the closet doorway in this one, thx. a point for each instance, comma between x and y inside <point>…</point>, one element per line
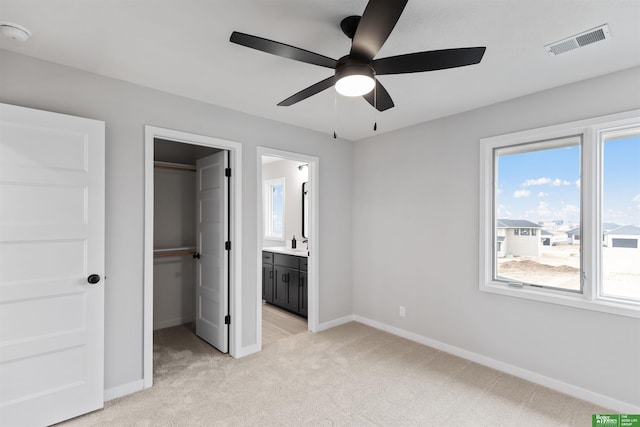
<point>189,226</point>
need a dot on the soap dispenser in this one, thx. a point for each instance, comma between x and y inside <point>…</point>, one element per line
<point>293,242</point>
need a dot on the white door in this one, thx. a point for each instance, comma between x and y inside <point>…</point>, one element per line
<point>212,291</point>
<point>51,241</point>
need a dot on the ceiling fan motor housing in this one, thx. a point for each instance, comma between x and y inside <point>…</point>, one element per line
<point>349,66</point>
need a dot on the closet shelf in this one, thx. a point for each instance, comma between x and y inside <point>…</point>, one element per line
<point>171,252</point>
<point>174,166</point>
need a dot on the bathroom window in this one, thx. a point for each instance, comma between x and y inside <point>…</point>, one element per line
<point>570,193</point>
<point>274,205</point>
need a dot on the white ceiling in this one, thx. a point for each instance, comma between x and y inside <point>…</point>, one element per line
<point>182,47</point>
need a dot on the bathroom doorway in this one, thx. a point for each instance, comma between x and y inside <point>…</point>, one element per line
<point>287,241</point>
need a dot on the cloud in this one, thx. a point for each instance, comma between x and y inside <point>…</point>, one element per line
<point>539,181</point>
<point>578,183</point>
<point>521,193</point>
<point>547,181</point>
<point>637,198</point>
<point>544,212</point>
<point>543,194</point>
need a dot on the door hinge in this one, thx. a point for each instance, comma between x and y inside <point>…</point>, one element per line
<point>227,319</point>
<point>227,246</point>
<point>227,172</point>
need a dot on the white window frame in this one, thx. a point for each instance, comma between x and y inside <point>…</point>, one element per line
<point>591,131</point>
<point>268,206</point>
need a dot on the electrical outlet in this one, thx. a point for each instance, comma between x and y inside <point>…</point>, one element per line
<point>403,311</point>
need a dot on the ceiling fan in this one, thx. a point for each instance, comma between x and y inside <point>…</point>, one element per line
<point>355,74</point>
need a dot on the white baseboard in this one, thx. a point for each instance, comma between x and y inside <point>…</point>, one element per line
<point>335,322</point>
<point>161,324</point>
<point>123,390</point>
<point>580,393</point>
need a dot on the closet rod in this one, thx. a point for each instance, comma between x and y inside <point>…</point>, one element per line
<point>161,253</point>
<point>174,166</point>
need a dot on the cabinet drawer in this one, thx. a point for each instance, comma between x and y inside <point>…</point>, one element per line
<point>267,257</point>
<point>303,263</point>
<point>284,260</point>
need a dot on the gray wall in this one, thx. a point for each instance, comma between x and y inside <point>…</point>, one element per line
<point>293,179</point>
<point>126,108</point>
<point>415,239</point>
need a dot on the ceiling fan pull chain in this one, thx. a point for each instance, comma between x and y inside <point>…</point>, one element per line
<point>335,114</point>
<point>375,107</point>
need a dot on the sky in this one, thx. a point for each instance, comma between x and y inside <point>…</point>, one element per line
<point>277,212</point>
<point>545,185</point>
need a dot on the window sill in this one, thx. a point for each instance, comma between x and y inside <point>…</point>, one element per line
<point>274,239</point>
<point>559,297</point>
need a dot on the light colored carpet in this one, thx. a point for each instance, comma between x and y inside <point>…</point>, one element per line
<point>351,375</point>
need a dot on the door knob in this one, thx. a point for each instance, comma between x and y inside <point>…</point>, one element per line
<point>93,279</point>
<point>196,255</point>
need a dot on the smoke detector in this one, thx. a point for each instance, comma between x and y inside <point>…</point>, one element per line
<point>14,31</point>
<point>579,40</point>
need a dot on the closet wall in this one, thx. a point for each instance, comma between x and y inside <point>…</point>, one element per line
<point>174,232</point>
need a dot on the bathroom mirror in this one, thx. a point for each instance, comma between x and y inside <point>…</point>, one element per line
<point>305,210</point>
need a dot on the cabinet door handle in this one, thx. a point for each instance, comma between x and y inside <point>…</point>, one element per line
<point>284,277</point>
<point>271,274</point>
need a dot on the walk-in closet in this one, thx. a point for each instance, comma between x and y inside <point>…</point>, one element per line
<point>174,232</point>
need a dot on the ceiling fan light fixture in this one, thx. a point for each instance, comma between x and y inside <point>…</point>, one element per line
<point>355,80</point>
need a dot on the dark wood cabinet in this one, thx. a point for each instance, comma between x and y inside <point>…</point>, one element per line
<point>302,293</point>
<point>267,282</point>
<point>284,281</point>
<point>267,277</point>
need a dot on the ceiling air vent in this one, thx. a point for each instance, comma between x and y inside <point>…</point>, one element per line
<point>579,40</point>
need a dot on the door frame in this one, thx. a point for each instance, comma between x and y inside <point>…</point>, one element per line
<point>314,233</point>
<point>235,235</point>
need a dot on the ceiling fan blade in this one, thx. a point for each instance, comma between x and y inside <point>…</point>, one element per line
<point>379,98</point>
<point>281,49</point>
<point>377,22</point>
<point>310,91</point>
<point>428,61</point>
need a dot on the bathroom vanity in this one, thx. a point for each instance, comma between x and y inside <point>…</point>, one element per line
<point>284,279</point>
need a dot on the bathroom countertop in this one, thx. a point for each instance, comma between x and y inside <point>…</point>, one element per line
<point>284,250</point>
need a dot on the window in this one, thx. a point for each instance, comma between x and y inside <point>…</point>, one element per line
<point>274,207</point>
<point>620,213</point>
<point>537,183</point>
<point>571,195</point>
